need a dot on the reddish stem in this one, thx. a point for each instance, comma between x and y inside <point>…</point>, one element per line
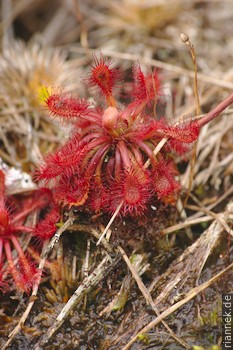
<point>216,111</point>
<point>7,249</point>
<point>23,214</point>
<point>16,274</point>
<point>18,228</point>
<point>1,249</point>
<point>17,247</point>
<point>4,217</point>
<point>124,154</point>
<point>148,151</point>
<point>137,154</point>
<point>97,157</point>
<point>117,164</point>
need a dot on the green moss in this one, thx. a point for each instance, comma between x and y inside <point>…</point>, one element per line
<point>143,337</point>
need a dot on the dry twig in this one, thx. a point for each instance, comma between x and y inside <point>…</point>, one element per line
<point>145,292</point>
<point>101,271</point>
<point>192,293</point>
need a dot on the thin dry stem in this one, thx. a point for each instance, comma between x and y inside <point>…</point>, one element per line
<point>89,282</point>
<point>187,223</point>
<point>217,217</point>
<point>110,222</point>
<point>175,281</point>
<point>145,292</point>
<point>94,233</point>
<point>192,293</point>
<point>211,206</point>
<point>198,111</point>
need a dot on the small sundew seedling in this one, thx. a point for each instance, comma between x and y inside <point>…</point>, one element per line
<point>109,164</point>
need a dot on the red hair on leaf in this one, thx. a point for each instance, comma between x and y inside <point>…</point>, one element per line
<point>72,190</point>
<point>104,77</point>
<point>164,184</point>
<point>118,158</point>
<point>67,107</point>
<point>133,191</point>
<point>146,87</point>
<point>46,227</point>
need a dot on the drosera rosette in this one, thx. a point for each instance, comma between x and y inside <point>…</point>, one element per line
<point>18,269</point>
<point>109,163</point>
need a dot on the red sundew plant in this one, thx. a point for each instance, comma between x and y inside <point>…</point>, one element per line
<point>17,268</point>
<point>109,163</point>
